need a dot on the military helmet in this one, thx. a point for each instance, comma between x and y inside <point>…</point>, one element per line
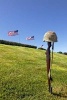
<point>50,37</point>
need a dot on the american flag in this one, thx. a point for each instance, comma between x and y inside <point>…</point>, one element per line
<point>30,38</point>
<point>41,46</point>
<point>13,33</point>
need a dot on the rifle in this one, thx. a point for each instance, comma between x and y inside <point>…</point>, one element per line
<point>48,66</point>
<point>50,37</point>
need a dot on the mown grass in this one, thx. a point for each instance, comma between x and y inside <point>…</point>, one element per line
<point>23,74</point>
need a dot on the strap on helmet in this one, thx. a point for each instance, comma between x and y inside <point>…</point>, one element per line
<point>52,50</point>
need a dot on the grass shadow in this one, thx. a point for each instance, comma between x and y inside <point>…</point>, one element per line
<point>59,95</point>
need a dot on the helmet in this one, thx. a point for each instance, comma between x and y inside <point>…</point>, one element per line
<point>50,37</point>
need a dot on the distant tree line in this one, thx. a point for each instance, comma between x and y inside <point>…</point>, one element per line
<point>16,44</point>
<point>41,48</point>
<point>65,53</point>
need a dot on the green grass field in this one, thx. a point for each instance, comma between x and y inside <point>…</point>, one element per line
<point>23,74</point>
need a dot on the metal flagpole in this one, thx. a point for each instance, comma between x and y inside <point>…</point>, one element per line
<point>19,38</point>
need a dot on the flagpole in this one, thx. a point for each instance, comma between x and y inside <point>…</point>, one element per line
<point>19,38</point>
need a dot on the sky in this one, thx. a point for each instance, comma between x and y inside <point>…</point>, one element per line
<point>34,18</point>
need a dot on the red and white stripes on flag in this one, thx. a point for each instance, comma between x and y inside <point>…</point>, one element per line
<point>30,38</point>
<point>13,33</point>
